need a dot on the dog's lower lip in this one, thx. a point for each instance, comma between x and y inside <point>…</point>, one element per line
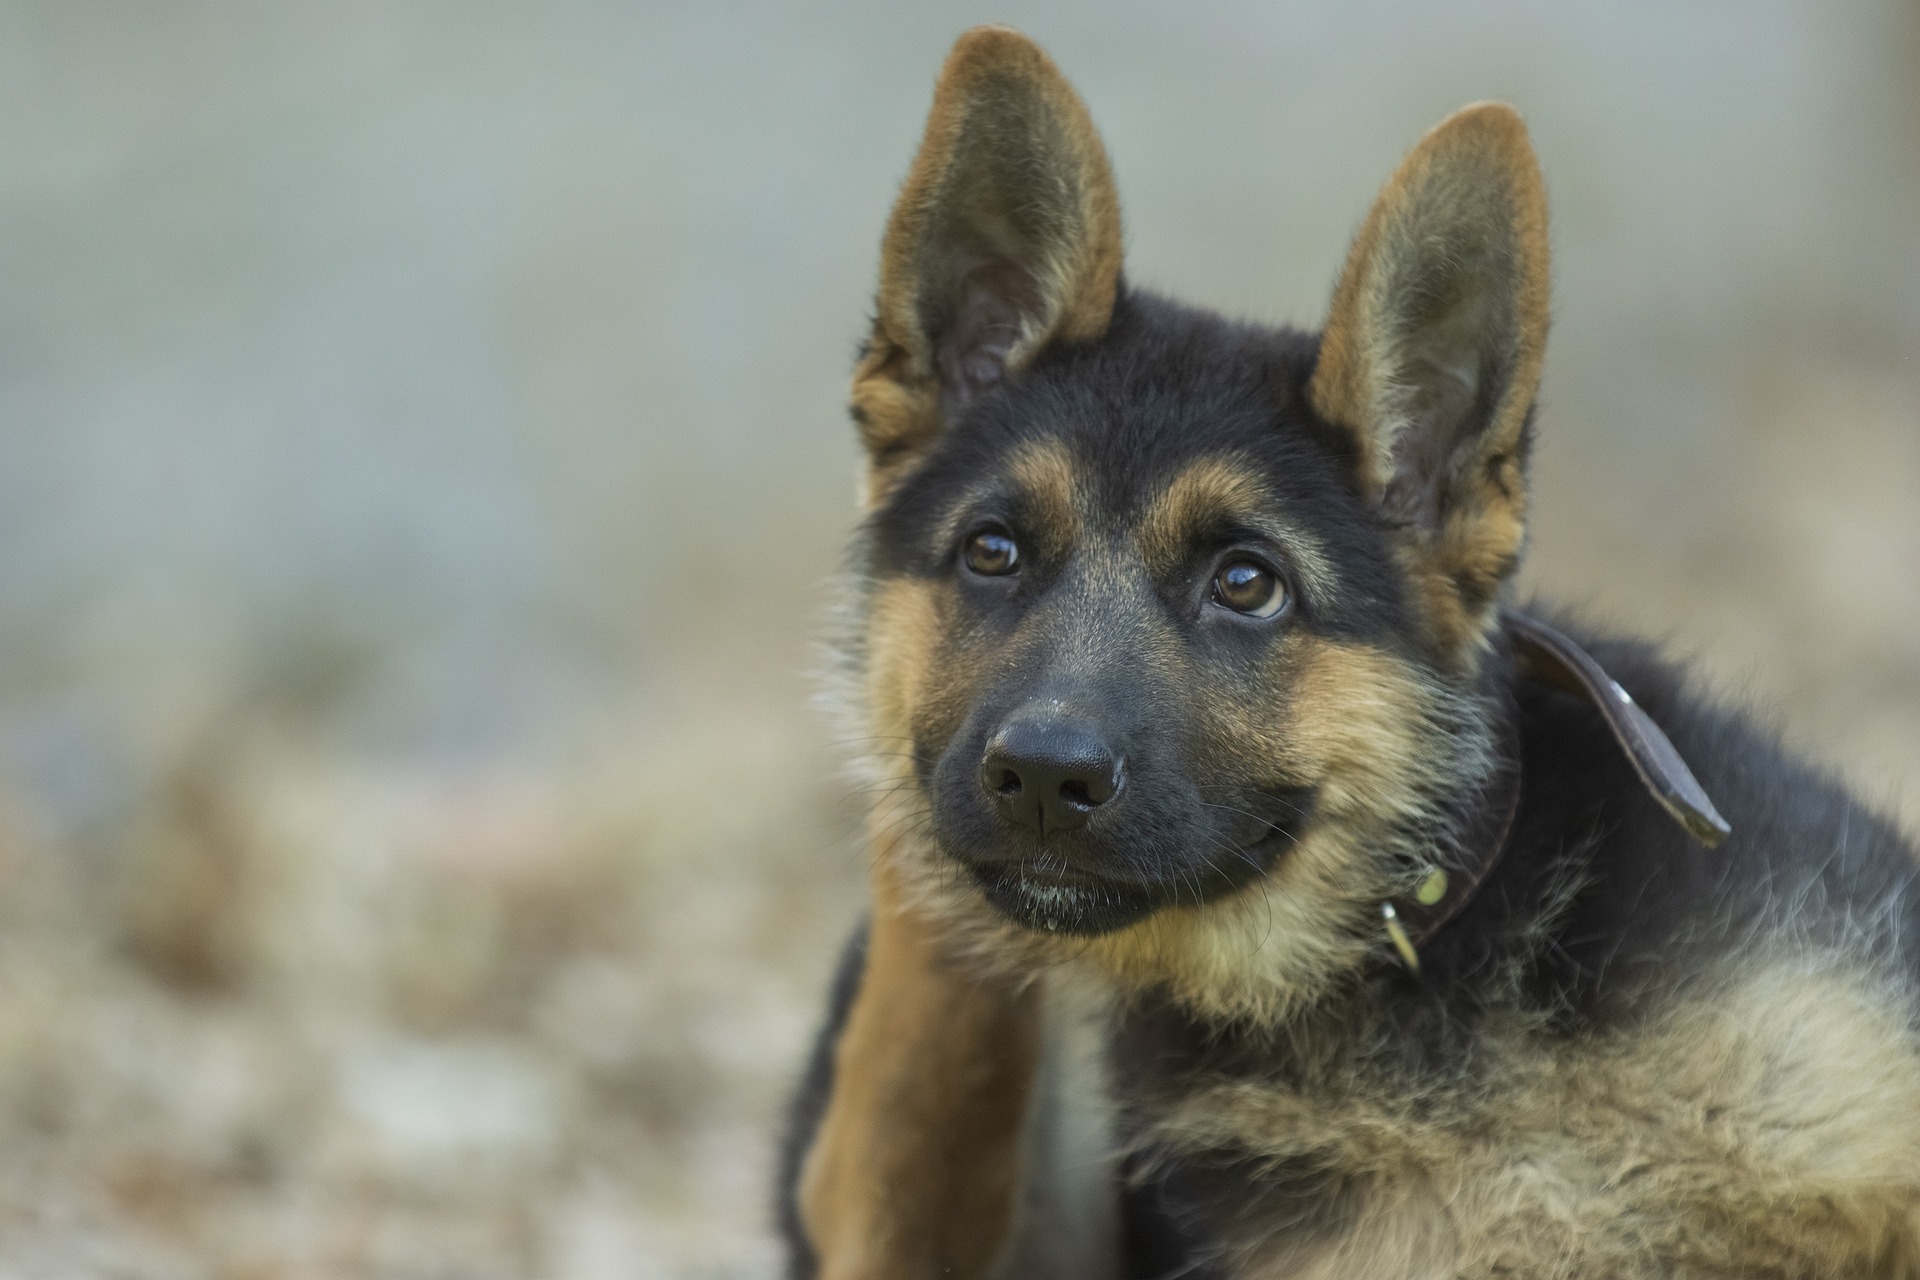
<point>1062,902</point>
<point>1070,880</point>
<point>1061,879</point>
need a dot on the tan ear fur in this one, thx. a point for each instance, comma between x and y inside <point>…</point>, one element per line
<point>1009,209</point>
<point>916,1168</point>
<point>1432,353</point>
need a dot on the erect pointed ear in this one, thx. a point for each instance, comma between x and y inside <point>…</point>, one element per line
<point>1006,237</point>
<point>1431,358</point>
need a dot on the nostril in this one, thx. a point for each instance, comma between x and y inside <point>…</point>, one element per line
<point>1048,775</point>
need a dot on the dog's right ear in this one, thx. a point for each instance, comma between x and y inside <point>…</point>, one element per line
<point>1006,237</point>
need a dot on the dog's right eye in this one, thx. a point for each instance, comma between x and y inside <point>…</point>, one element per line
<point>992,553</point>
<point>1246,586</point>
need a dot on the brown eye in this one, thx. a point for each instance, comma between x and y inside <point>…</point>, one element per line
<point>992,554</point>
<point>1245,586</point>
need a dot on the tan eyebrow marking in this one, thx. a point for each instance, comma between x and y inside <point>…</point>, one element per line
<point>1042,472</point>
<point>1218,489</point>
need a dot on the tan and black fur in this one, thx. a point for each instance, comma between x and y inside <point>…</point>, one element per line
<point>1629,1055</point>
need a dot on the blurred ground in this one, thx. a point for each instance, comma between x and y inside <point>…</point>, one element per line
<point>421,450</point>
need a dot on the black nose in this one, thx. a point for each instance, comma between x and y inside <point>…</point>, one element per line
<point>1049,775</point>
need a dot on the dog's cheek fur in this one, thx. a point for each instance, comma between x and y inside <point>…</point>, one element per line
<point>906,629</point>
<point>1780,1100</point>
<point>919,684</point>
<point>1383,743</point>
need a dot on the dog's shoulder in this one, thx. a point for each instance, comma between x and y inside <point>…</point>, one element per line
<point>1807,869</point>
<point>1624,1027</point>
<point>1603,908</point>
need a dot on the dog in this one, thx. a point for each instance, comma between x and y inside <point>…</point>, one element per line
<point>1257,890</point>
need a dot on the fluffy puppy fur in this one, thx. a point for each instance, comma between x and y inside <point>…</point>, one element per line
<point>1253,579</point>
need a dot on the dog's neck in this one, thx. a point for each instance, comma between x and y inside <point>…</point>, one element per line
<point>1542,653</point>
<point>1441,889</point>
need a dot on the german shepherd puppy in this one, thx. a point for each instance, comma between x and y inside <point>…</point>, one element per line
<point>1202,727</point>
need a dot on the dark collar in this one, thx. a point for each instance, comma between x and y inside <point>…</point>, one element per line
<point>1546,655</point>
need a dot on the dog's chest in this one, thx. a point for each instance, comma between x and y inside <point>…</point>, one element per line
<point>1773,1129</point>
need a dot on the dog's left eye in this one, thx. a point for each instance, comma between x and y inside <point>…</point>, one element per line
<point>1246,586</point>
<point>992,553</point>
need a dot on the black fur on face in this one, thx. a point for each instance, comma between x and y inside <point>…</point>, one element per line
<point>1128,473</point>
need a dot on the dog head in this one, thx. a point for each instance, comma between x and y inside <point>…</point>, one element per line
<point>1171,629</point>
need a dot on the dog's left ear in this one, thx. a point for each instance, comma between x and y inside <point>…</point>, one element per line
<point>1431,358</point>
<point>1005,238</point>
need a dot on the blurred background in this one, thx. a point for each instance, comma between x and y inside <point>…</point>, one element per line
<point>422,451</point>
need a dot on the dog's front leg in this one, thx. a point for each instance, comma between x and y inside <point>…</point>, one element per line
<point>915,1169</point>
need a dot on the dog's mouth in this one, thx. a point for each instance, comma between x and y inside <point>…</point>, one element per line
<point>1086,905</point>
<point>1076,905</point>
